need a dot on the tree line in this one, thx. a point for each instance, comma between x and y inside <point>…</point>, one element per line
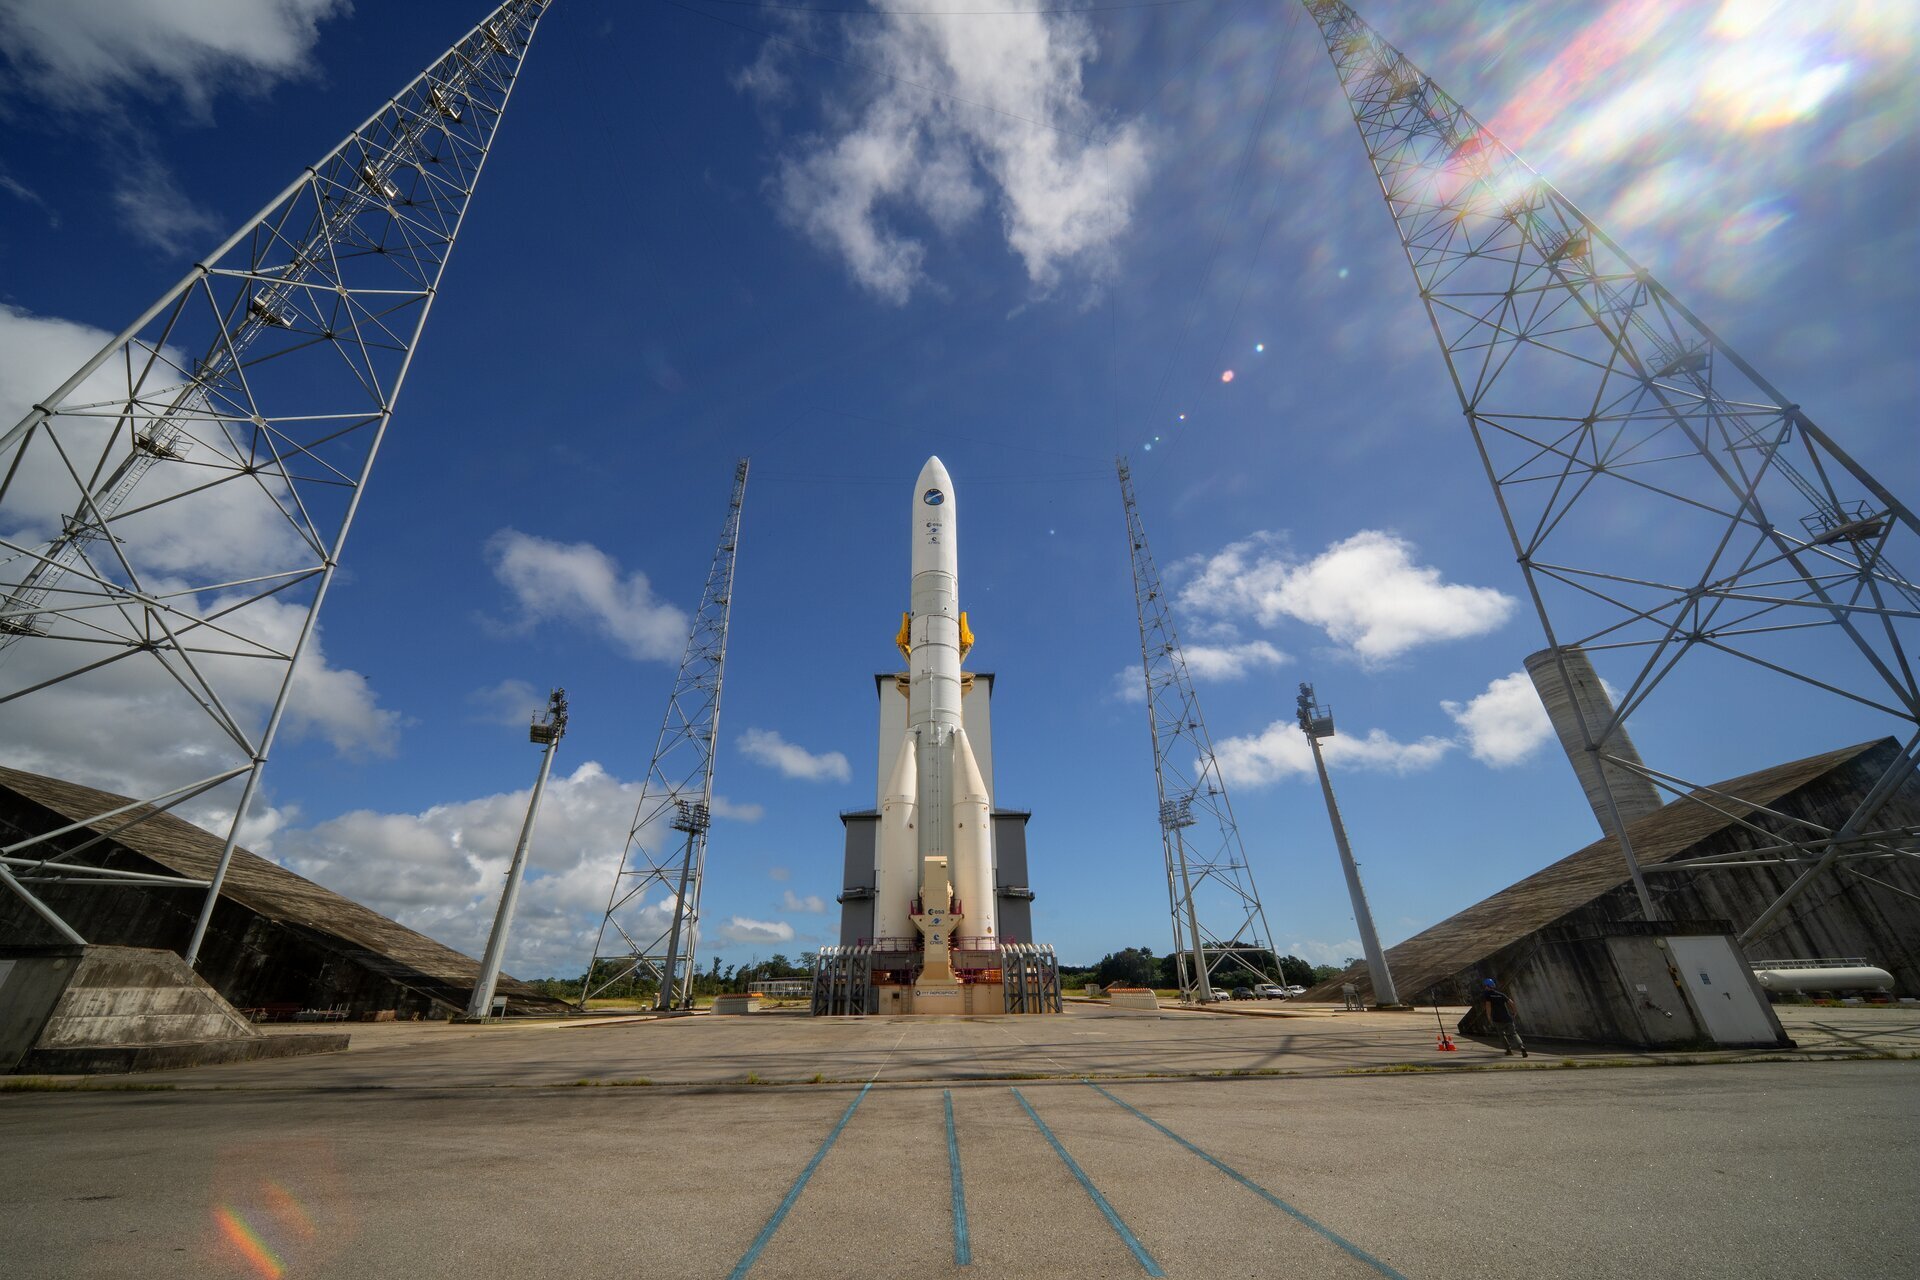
<point>1128,967</point>
<point>716,979</point>
<point>1141,967</point>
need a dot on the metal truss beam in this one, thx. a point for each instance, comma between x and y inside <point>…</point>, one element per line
<point>1219,926</point>
<point>1671,510</point>
<point>173,514</point>
<point>641,937</point>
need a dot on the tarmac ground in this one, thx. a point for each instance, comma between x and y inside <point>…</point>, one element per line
<point>1101,1143</point>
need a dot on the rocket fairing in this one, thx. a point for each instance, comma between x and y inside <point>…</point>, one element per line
<point>934,854</point>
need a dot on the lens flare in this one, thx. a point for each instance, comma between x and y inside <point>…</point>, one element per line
<point>1227,376</point>
<point>1755,222</point>
<point>239,1233</point>
<point>1259,346</point>
<point>287,1207</point>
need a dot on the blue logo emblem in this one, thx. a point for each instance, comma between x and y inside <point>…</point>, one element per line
<point>933,497</point>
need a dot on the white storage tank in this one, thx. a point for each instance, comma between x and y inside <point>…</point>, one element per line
<point>1851,974</point>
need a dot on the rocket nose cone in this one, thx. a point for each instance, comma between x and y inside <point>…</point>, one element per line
<point>934,487</point>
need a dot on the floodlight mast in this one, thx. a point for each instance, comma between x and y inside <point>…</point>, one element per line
<point>306,321</point>
<point>677,796</point>
<point>1601,407</point>
<point>546,733</point>
<point>1227,935</point>
<point>1317,723</point>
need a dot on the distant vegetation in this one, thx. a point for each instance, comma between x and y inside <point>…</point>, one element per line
<point>716,979</point>
<point>1140,967</point>
<point>1129,967</point>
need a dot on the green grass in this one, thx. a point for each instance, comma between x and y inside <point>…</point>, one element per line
<point>41,1084</point>
<point>634,1083</point>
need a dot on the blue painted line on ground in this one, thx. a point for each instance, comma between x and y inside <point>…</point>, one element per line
<point>1140,1253</point>
<point>1272,1199</point>
<point>752,1255</point>
<point>962,1248</point>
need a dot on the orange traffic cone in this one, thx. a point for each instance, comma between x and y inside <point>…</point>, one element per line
<point>1446,1045</point>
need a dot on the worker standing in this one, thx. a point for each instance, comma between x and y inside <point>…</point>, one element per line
<point>1501,1010</point>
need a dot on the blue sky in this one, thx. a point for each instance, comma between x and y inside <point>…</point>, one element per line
<point>839,242</point>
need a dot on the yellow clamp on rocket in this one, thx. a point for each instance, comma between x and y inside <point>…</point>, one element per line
<point>905,638</point>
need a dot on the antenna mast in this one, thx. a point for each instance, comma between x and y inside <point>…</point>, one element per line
<point>1670,508</point>
<point>176,508</point>
<point>667,844</point>
<point>1219,927</point>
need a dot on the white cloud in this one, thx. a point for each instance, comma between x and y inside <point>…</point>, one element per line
<point>1280,751</point>
<point>577,582</point>
<point>1205,662</point>
<point>1504,725</point>
<point>129,726</point>
<point>83,52</point>
<point>1367,593</point>
<point>741,931</point>
<point>960,100</point>
<point>764,746</point>
<point>441,870</point>
<point>231,529</point>
<point>1333,953</point>
<point>27,195</point>
<point>779,873</point>
<point>152,205</point>
<point>1229,662</point>
<point>509,702</point>
<point>721,807</point>
<point>813,903</point>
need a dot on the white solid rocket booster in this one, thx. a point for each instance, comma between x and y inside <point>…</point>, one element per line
<point>934,855</point>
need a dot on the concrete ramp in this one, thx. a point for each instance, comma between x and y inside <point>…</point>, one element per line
<point>71,1010</point>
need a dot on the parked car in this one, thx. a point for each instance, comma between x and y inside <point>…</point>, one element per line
<point>1296,991</point>
<point>1270,991</point>
<point>1219,993</point>
<point>1243,993</point>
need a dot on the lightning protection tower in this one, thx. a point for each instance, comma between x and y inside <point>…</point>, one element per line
<point>667,845</point>
<point>172,514</point>
<point>1219,927</point>
<point>1672,511</point>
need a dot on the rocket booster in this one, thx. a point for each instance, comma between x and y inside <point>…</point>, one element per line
<point>934,855</point>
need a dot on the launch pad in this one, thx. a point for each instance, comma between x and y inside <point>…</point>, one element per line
<point>887,975</point>
<point>936,913</point>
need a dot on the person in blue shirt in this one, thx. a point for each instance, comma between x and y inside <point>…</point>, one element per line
<point>1500,1010</point>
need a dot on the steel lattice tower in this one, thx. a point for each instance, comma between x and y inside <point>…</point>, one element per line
<point>1669,507</point>
<point>667,844</point>
<point>249,403</point>
<point>1212,905</point>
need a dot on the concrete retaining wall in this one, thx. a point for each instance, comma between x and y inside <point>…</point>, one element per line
<point>70,1009</point>
<point>32,980</point>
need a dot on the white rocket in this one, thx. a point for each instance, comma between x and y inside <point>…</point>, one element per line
<point>934,856</point>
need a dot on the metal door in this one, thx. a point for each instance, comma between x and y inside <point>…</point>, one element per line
<point>1722,992</point>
